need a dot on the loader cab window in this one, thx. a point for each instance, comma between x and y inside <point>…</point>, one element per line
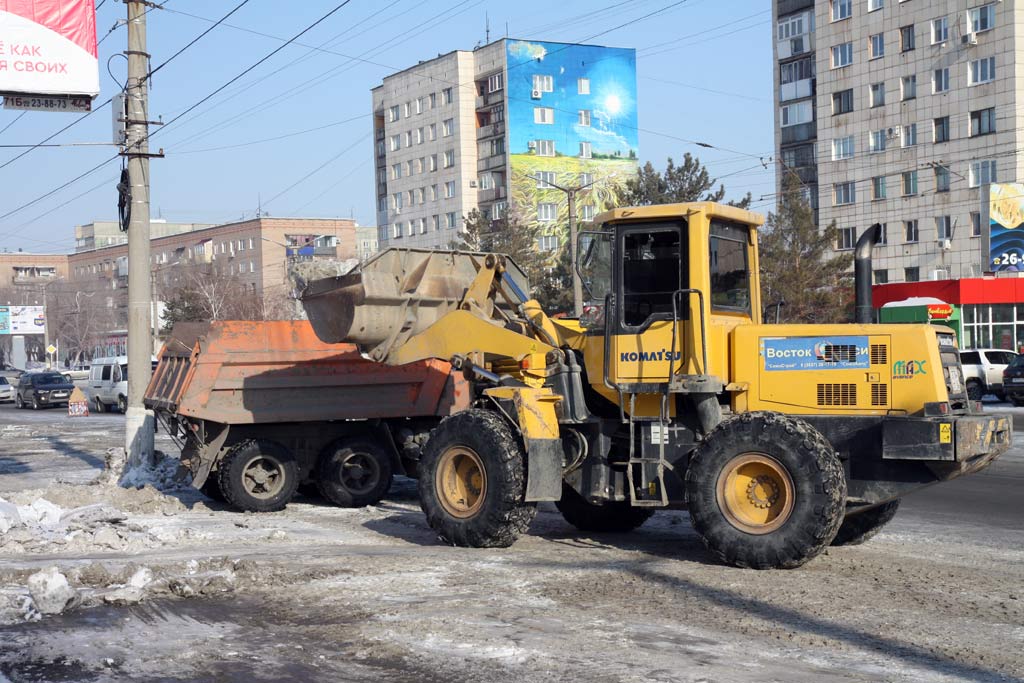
<point>653,268</point>
<point>729,267</point>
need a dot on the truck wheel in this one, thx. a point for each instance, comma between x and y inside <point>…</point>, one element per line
<point>122,404</point>
<point>975,390</point>
<point>19,403</point>
<point>472,481</point>
<point>354,473</point>
<point>258,476</point>
<point>99,406</point>
<point>765,491</point>
<point>211,488</point>
<point>862,526</point>
<point>617,516</point>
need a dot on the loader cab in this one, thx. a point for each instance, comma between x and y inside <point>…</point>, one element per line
<point>669,282</point>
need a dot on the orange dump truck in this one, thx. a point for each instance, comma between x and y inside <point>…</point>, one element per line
<point>259,408</point>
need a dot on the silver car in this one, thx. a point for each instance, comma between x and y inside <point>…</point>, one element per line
<point>6,390</point>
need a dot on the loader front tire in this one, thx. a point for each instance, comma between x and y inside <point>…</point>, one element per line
<point>765,491</point>
<point>862,526</point>
<point>472,481</point>
<point>258,475</point>
<point>615,517</point>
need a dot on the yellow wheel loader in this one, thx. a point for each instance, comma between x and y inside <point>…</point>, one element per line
<point>668,392</point>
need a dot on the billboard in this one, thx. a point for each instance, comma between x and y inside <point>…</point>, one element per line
<point>572,118</point>
<point>48,47</point>
<point>1005,209</point>
<point>22,320</point>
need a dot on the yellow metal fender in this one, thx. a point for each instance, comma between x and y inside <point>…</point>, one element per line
<point>537,420</point>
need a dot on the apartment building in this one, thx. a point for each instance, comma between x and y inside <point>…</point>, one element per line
<point>496,129</point>
<point>108,233</point>
<point>902,112</point>
<point>29,273</point>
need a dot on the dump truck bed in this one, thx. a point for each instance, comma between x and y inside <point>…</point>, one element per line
<point>244,372</point>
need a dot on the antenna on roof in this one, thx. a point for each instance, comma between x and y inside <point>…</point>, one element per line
<point>487,25</point>
<point>259,205</point>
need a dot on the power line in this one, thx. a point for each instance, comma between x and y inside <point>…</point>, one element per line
<point>195,40</point>
<point>16,119</point>
<point>275,138</point>
<point>317,169</point>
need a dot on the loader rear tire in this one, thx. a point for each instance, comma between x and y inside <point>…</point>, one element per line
<point>862,526</point>
<point>354,473</point>
<point>616,517</point>
<point>765,491</point>
<point>258,475</point>
<point>472,481</point>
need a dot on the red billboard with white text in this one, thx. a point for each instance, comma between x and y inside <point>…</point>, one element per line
<point>48,47</point>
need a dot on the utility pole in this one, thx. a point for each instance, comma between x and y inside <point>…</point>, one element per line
<point>139,423</point>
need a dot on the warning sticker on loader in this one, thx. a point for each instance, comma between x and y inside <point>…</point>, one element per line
<point>815,353</point>
<point>945,433</point>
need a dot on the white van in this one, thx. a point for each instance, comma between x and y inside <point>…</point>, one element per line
<point>108,384</point>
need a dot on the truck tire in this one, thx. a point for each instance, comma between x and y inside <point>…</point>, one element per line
<point>211,488</point>
<point>472,481</point>
<point>354,473</point>
<point>98,405</point>
<point>122,404</point>
<point>617,516</point>
<point>765,491</point>
<point>258,475</point>
<point>975,389</point>
<point>862,526</point>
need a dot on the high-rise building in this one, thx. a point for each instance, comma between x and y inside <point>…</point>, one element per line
<point>901,112</point>
<point>495,129</point>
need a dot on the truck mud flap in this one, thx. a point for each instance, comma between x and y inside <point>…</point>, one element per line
<point>543,470</point>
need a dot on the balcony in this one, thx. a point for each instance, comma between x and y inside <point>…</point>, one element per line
<point>795,46</point>
<point>799,133</point>
<point>491,195</point>
<point>488,163</point>
<point>796,90</point>
<point>489,99</point>
<point>496,128</point>
<point>791,6</point>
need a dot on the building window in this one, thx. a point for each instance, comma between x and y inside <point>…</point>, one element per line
<point>449,219</point>
<point>790,27</point>
<point>495,82</point>
<point>877,94</point>
<point>940,30</point>
<point>975,224</point>
<point>545,148</point>
<point>843,101</point>
<point>418,106</point>
<point>545,179</point>
<point>584,117</point>
<point>397,201</point>
<point>881,276</point>
<point>842,55</point>
<point>433,193</point>
<point>878,187</point>
<point>844,193</point>
<point>396,171</point>
<point>912,274</point>
<point>941,178</point>
<point>586,179</point>
<point>409,166</point>
<point>983,121</point>
<point>875,4</point>
<point>547,211</point>
<point>587,212</point>
<point>910,231</point>
<point>423,225</point>
<point>583,86</point>
<point>940,126</point>
<point>847,238</point>
<point>497,146</point>
<point>841,9</point>
<point>982,71</point>
<point>449,158</point>
<point>908,87</point>
<point>842,148</point>
<point>982,172</point>
<point>794,114</point>
<point>396,230</point>
<point>883,233</point>
<point>940,80</point>
<point>432,162</point>
<point>543,115</point>
<point>393,114</point>
<point>906,38</point>
<point>943,228</point>
<point>446,96</point>
<point>396,143</point>
<point>877,45</point>
<point>909,135</point>
<point>411,228</point>
<point>419,136</point>
<point>909,184</point>
<point>547,242</point>
<point>983,18</point>
<point>876,141</point>
<point>435,222</point>
<point>447,127</point>
<point>449,189</point>
<point>432,131</point>
<point>486,181</point>
<point>800,70</point>
<point>585,150</point>
<point>543,83</point>
<point>432,98</point>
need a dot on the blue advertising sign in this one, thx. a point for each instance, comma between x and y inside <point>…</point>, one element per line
<point>5,320</point>
<point>815,353</point>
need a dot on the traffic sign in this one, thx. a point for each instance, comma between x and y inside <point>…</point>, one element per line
<point>51,349</point>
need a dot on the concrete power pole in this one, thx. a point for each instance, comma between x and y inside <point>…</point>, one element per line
<point>139,423</point>
<point>577,284</point>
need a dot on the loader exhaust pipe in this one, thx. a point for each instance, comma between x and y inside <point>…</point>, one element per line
<point>864,311</point>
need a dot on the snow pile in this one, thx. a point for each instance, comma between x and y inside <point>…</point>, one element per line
<point>44,527</point>
<point>163,472</point>
<point>51,593</point>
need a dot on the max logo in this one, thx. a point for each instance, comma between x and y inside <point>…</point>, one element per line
<point>907,369</point>
<point>664,354</point>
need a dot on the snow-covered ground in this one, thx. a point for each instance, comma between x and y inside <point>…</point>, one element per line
<point>170,586</point>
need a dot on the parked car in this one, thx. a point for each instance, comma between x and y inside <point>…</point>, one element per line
<point>6,390</point>
<point>78,372</point>
<point>1013,381</point>
<point>983,371</point>
<point>42,390</point>
<point>11,373</point>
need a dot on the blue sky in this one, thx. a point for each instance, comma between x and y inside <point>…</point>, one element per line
<point>704,75</point>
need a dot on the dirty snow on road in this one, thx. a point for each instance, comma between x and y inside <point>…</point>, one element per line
<point>100,582</point>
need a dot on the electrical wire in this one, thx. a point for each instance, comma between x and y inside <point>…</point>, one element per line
<point>195,40</point>
<point>14,121</point>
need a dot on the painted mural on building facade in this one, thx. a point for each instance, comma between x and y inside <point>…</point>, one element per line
<point>572,119</point>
